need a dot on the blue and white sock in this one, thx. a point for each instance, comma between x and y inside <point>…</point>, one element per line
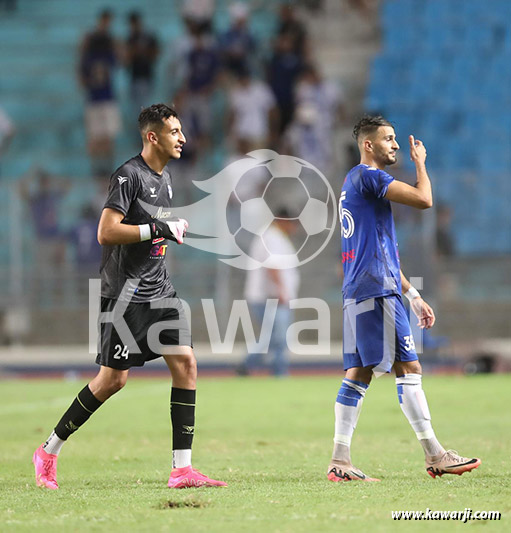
<point>347,410</point>
<point>415,407</point>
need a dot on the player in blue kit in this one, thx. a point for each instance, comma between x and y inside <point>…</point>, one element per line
<point>377,334</point>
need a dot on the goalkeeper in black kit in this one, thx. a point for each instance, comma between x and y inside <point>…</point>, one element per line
<point>141,316</point>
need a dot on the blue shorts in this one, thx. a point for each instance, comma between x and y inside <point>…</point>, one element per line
<point>376,333</point>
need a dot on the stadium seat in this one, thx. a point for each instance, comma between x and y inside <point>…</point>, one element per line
<point>453,92</point>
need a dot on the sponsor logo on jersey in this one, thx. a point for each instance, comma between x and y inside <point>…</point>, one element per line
<point>153,192</point>
<point>159,239</point>
<point>122,179</point>
<point>158,251</point>
<point>348,257</point>
<point>161,213</point>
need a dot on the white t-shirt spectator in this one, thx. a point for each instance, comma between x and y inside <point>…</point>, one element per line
<point>259,286</point>
<point>251,106</point>
<point>324,98</point>
<point>311,133</point>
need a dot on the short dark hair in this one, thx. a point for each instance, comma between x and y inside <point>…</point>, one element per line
<point>154,115</point>
<point>134,16</point>
<point>369,124</point>
<point>106,13</point>
<point>285,213</point>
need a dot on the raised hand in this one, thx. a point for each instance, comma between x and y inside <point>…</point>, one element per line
<point>417,150</point>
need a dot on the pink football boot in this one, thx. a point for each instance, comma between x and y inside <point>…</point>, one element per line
<point>186,477</point>
<point>45,469</point>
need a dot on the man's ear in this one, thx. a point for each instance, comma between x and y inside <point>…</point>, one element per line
<point>368,145</point>
<point>152,137</point>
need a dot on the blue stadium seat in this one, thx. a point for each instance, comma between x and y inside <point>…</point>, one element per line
<point>457,91</point>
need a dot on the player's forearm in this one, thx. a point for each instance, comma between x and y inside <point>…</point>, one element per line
<point>423,185</point>
<point>113,234</point>
<point>405,284</point>
<point>407,289</point>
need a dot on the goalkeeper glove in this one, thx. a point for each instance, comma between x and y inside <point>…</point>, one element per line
<point>173,229</point>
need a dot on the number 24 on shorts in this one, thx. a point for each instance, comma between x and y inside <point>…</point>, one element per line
<point>123,351</point>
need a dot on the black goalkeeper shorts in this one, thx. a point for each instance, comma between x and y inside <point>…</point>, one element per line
<point>133,333</point>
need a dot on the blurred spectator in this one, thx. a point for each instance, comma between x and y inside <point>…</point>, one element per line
<point>202,69</point>
<point>247,185</point>
<point>252,111</point>
<point>177,67</point>
<point>83,237</point>
<point>323,95</point>
<point>247,189</point>
<point>250,185</point>
<point>290,25</point>
<point>318,106</point>
<point>283,70</point>
<point>43,194</point>
<point>444,240</point>
<point>203,63</point>
<point>187,168</point>
<point>141,54</point>
<point>98,60</point>
<point>237,44</point>
<point>7,131</point>
<point>268,283</point>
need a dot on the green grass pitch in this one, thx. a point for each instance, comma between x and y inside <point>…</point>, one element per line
<point>270,440</point>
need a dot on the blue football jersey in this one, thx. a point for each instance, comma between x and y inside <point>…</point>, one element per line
<point>369,247</point>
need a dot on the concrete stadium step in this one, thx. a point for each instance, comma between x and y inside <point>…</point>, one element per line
<point>352,42</point>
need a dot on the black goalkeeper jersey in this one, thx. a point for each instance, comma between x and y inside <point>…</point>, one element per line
<point>141,195</point>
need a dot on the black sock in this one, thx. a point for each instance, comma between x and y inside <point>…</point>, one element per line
<point>182,414</point>
<point>78,413</point>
